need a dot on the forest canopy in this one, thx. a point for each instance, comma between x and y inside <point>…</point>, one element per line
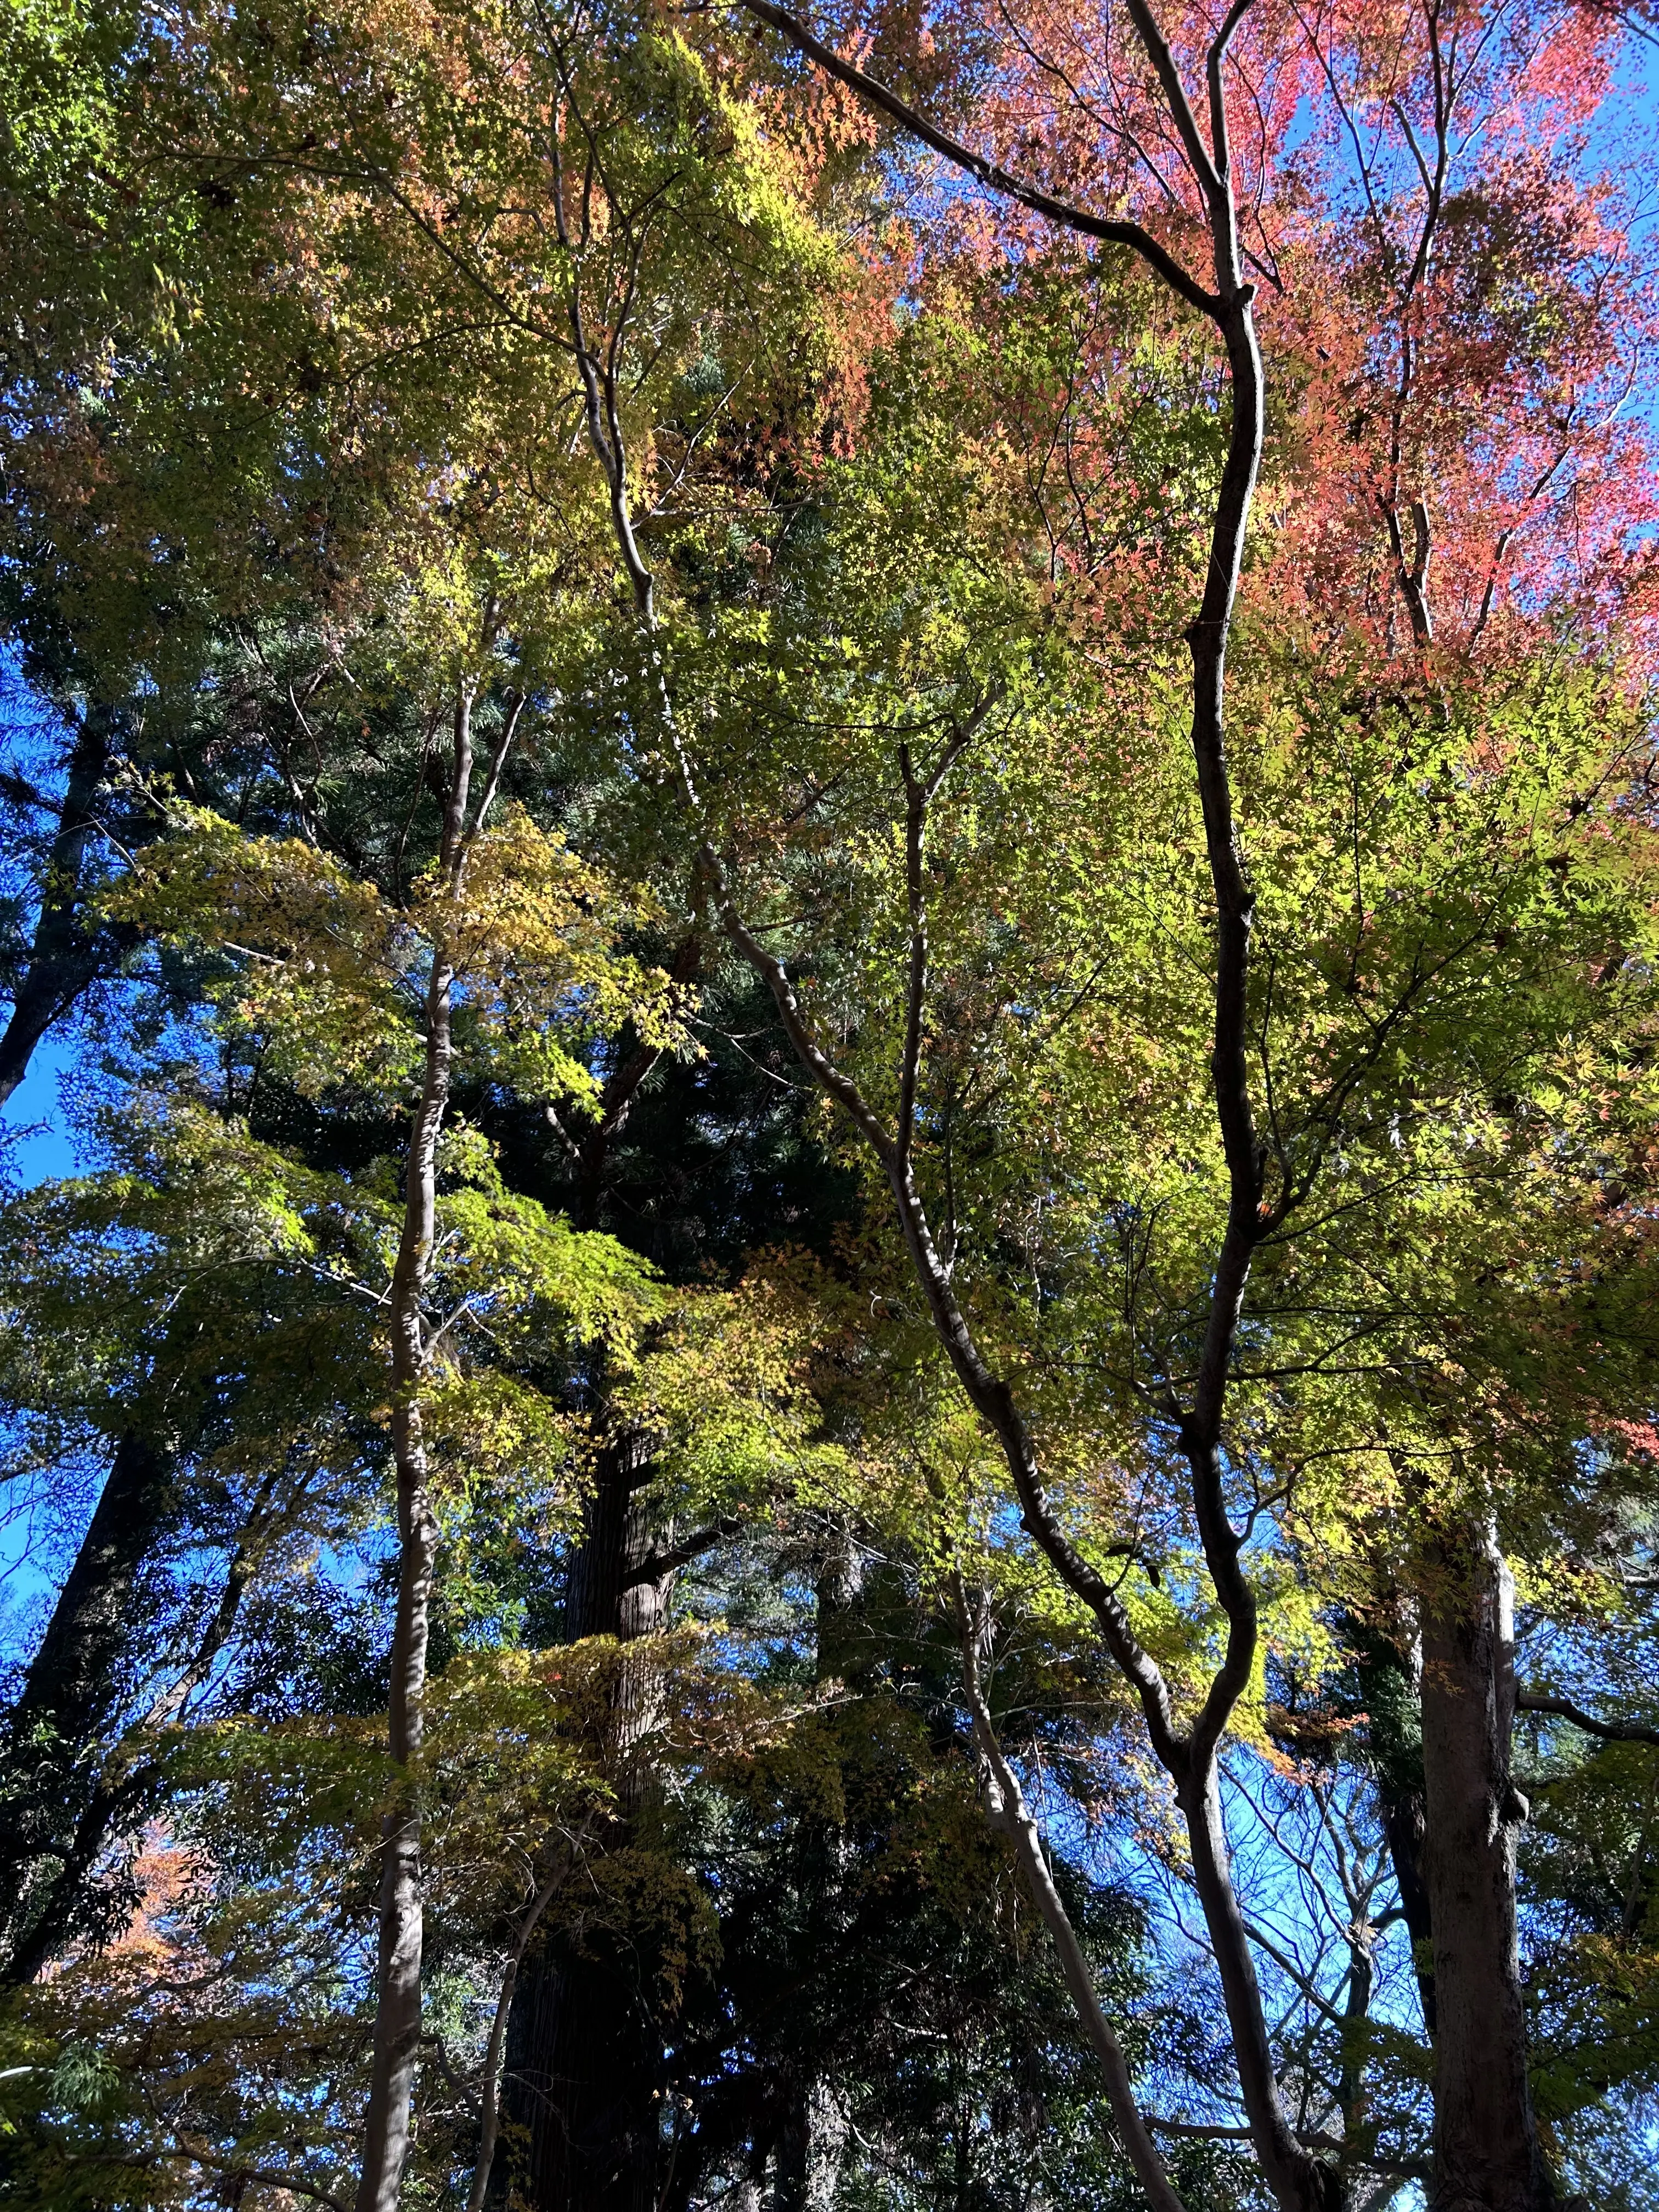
<point>830,846</point>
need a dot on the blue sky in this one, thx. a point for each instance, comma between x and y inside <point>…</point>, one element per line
<point>36,1140</point>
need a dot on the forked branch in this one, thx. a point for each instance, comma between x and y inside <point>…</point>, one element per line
<point>1007,1811</point>
<point>1082,222</point>
<point>1300,2182</point>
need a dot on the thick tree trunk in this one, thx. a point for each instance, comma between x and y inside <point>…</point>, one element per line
<point>50,1798</point>
<point>584,2054</point>
<point>580,2095</point>
<point>792,2166</point>
<point>1486,2153</point>
<point>69,1686</point>
<point>582,2082</point>
<point>62,959</point>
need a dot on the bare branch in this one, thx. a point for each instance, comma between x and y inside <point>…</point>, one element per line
<point>1535,1701</point>
<point>1006,1809</point>
<point>987,173</point>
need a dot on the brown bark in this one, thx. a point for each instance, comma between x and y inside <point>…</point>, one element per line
<point>1487,2152</point>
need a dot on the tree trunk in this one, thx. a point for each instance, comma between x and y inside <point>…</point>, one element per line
<point>1487,2152</point>
<point>582,2093</point>
<point>580,2097</point>
<point>62,959</point>
<point>398,2010</point>
<point>1405,1826</point>
<point>791,2165</point>
<point>1299,2182</point>
<point>49,1783</point>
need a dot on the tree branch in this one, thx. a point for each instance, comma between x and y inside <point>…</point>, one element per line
<point>490,2101</point>
<point>990,173</point>
<point>656,1565</point>
<point>1535,1701</point>
<point>1006,1809</point>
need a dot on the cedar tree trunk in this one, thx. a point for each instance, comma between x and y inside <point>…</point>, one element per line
<point>1486,2153</point>
<point>582,2090</point>
<point>63,959</point>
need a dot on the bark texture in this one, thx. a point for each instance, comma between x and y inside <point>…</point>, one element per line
<point>397,2011</point>
<point>1487,2152</point>
<point>581,2094</point>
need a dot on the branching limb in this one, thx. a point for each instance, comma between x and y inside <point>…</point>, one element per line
<point>1300,2184</point>
<point>1065,213</point>
<point>1535,1701</point>
<point>273,2178</point>
<point>656,1565</point>
<point>498,760</point>
<point>1005,1807</point>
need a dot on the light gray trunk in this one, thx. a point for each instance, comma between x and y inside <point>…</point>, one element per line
<point>387,2133</point>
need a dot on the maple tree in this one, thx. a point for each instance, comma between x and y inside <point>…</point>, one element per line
<point>1089,573</point>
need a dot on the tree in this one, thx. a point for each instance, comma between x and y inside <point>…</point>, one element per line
<point>1255,1080</point>
<point>1467,2126</point>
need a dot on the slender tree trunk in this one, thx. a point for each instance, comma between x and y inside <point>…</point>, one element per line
<point>63,960</point>
<point>1299,2182</point>
<point>49,1781</point>
<point>1356,2012</point>
<point>490,2101</point>
<point>1486,2153</point>
<point>1405,1826</point>
<point>397,2011</point>
<point>1006,1806</point>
